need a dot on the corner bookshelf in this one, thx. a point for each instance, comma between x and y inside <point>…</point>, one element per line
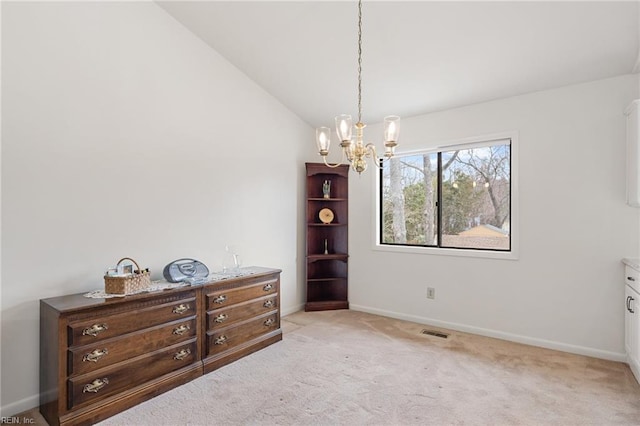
<point>327,251</point>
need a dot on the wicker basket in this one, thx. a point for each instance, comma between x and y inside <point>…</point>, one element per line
<point>139,281</point>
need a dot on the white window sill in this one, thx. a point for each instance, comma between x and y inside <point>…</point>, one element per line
<point>486,254</point>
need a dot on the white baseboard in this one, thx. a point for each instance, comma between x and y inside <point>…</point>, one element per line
<point>291,310</point>
<point>19,406</point>
<point>564,347</point>
<point>635,368</point>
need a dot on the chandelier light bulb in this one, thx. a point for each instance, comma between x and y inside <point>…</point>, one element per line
<point>344,124</point>
<point>391,128</point>
<point>323,138</point>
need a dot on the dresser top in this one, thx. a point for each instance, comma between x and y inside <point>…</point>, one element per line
<point>79,301</point>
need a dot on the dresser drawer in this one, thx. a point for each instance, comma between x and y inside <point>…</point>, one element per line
<point>90,331</point>
<point>98,385</point>
<point>109,351</point>
<point>225,317</point>
<point>227,338</point>
<point>222,298</point>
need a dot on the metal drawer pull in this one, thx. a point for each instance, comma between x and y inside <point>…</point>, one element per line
<point>181,330</point>
<point>629,300</point>
<point>181,309</point>
<point>96,385</point>
<point>267,287</point>
<point>269,322</point>
<point>631,278</point>
<point>220,340</point>
<point>221,318</point>
<point>182,354</point>
<point>268,304</point>
<point>95,355</point>
<point>94,330</point>
<point>220,299</point>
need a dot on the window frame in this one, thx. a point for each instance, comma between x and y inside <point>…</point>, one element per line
<point>475,141</point>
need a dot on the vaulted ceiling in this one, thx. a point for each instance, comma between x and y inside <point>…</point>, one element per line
<point>418,56</point>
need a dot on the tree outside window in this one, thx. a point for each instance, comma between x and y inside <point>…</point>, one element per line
<point>458,198</point>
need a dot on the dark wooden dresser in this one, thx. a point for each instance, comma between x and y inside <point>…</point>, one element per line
<point>101,356</point>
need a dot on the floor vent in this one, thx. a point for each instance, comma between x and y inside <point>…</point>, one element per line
<point>435,333</point>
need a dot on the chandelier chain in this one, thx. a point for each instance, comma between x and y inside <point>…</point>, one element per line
<point>360,61</point>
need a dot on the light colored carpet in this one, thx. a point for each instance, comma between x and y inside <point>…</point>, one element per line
<point>347,367</point>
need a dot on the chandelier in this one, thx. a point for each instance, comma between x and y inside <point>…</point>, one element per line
<point>356,151</point>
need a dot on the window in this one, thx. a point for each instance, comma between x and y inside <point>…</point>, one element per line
<point>459,197</point>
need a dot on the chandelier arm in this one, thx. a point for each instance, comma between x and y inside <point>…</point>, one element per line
<point>371,152</point>
<point>333,166</point>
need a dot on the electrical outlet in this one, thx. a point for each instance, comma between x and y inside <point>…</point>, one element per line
<point>431,293</point>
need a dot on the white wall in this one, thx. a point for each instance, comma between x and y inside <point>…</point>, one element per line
<point>566,289</point>
<point>125,135</point>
